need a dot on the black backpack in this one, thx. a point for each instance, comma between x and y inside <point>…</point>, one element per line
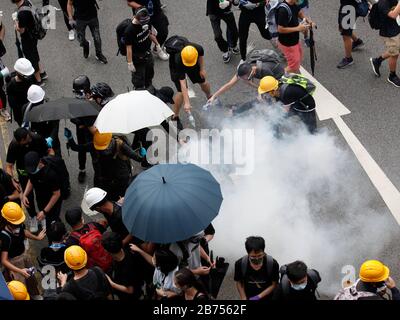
<point>58,165</point>
<point>121,28</point>
<point>175,44</point>
<point>39,31</point>
<point>311,273</point>
<point>374,17</point>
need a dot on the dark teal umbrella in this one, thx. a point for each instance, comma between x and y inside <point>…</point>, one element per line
<point>171,202</point>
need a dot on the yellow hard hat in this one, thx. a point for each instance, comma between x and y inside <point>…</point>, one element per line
<point>18,290</point>
<point>13,213</point>
<point>189,56</point>
<point>101,140</point>
<point>75,257</point>
<point>373,271</point>
<point>268,84</point>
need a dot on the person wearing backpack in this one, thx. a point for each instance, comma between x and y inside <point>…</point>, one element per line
<point>45,181</point>
<point>83,14</point>
<point>257,273</point>
<point>298,283</point>
<point>295,94</point>
<point>86,283</point>
<point>374,283</point>
<point>389,30</point>
<point>263,63</point>
<point>221,10</point>
<point>25,23</point>
<point>347,15</point>
<point>88,236</point>
<point>289,28</point>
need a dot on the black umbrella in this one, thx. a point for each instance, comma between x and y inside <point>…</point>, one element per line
<point>313,53</point>
<point>18,44</point>
<point>63,108</point>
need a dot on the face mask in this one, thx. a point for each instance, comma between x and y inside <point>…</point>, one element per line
<point>299,287</point>
<point>256,261</point>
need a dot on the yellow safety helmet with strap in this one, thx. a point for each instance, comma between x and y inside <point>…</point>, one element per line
<point>189,55</point>
<point>75,257</point>
<point>268,84</point>
<point>373,271</point>
<point>101,140</point>
<point>18,290</point>
<point>13,213</point>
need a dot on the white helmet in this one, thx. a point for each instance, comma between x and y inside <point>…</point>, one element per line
<point>24,67</point>
<point>93,196</point>
<point>35,94</point>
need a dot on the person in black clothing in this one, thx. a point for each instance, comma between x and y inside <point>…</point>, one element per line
<point>126,276</point>
<point>157,19</point>
<point>63,5</point>
<point>43,179</point>
<point>193,289</point>
<point>8,191</point>
<point>298,283</point>
<point>138,38</point>
<point>256,274</point>
<point>25,141</point>
<point>294,98</point>
<point>4,74</point>
<point>346,20</point>
<point>83,14</point>
<point>390,33</point>
<point>252,11</point>
<point>17,88</point>
<point>24,24</point>
<point>219,11</point>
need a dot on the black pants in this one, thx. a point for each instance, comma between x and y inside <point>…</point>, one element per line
<point>3,96</point>
<point>232,33</point>
<point>63,6</point>
<point>160,23</point>
<point>83,136</point>
<point>53,215</point>
<point>115,188</point>
<point>308,118</point>
<point>142,78</point>
<point>30,50</point>
<point>245,20</point>
<point>94,27</point>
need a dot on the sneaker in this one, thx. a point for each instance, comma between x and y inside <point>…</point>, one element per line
<point>82,176</point>
<point>345,63</point>
<point>226,57</point>
<point>5,114</point>
<point>101,58</point>
<point>394,80</point>
<point>161,54</point>
<point>71,35</point>
<point>86,50</point>
<point>357,44</point>
<point>235,50</point>
<point>33,227</point>
<point>375,66</point>
<point>44,76</point>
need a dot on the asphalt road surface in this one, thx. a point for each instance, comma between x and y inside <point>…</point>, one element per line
<point>373,102</point>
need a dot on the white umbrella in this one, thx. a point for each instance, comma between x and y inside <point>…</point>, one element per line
<point>132,111</point>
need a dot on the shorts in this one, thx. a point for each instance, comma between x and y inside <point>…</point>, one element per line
<point>193,75</point>
<point>392,45</point>
<point>293,55</point>
<point>344,21</point>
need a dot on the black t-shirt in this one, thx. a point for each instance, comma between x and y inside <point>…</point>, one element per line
<point>254,281</point>
<point>127,273</point>
<point>307,294</point>
<point>296,97</point>
<point>153,6</point>
<point>16,153</point>
<point>178,69</point>
<point>115,221</point>
<point>73,240</point>
<point>389,28</point>
<point>138,37</point>
<point>288,39</point>
<point>85,9</point>
<point>93,286</point>
<point>17,94</point>
<point>26,21</point>
<point>214,9</point>
<point>11,243</point>
<point>45,182</point>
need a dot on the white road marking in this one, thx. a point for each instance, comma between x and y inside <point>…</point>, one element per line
<point>329,107</point>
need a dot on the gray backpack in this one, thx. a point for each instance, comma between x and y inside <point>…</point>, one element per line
<point>271,11</point>
<point>351,293</point>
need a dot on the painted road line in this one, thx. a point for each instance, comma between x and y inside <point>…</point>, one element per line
<point>329,107</point>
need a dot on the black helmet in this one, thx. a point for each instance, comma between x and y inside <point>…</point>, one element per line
<point>142,15</point>
<point>103,91</point>
<point>81,86</point>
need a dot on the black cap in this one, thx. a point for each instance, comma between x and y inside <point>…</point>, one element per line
<point>32,160</point>
<point>166,94</point>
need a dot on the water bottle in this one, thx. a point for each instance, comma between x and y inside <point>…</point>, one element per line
<point>191,120</point>
<point>150,8</point>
